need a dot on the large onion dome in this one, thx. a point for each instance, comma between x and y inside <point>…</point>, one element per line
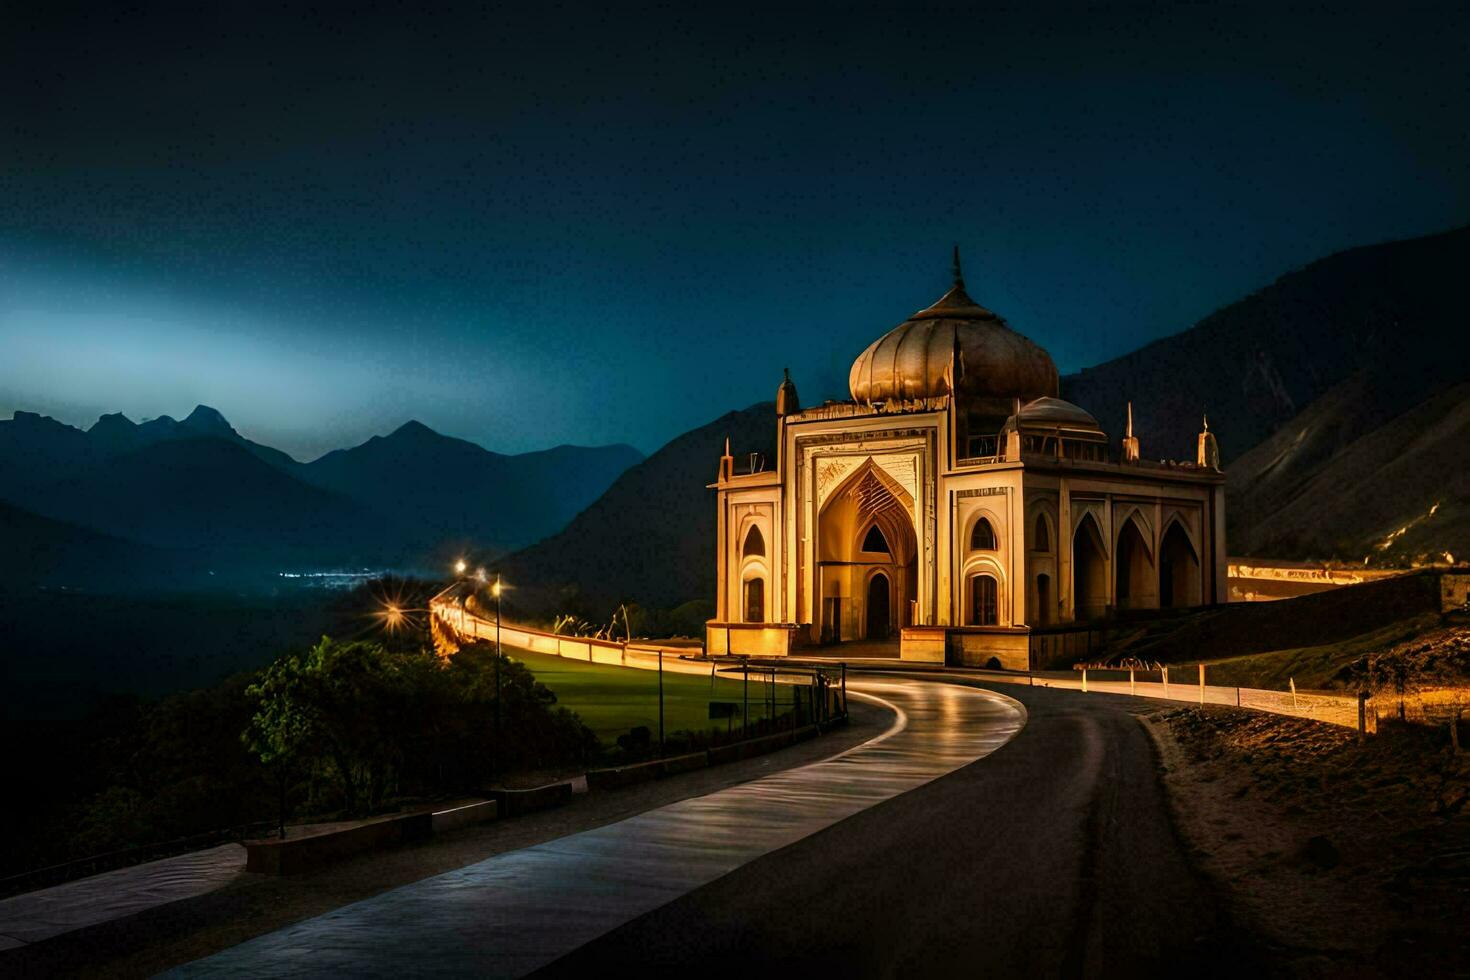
<point>912,361</point>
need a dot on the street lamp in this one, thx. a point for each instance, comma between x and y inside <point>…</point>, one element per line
<point>395,616</point>
<point>495,590</point>
<point>459,568</point>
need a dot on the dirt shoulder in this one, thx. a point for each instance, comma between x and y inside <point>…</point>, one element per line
<point>177,933</point>
<point>1345,859</point>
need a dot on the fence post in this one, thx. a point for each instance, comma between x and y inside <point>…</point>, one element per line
<point>1292,682</point>
<point>1166,683</point>
<point>1084,680</point>
<point>1201,684</point>
<point>1131,688</point>
<point>745,699</point>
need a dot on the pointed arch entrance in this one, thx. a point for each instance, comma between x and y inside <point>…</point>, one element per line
<point>867,558</point>
<point>1089,571</point>
<point>1137,585</point>
<point>1179,569</point>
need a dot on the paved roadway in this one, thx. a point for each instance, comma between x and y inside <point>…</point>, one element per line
<point>1052,857</point>
<point>515,912</point>
<point>957,845</point>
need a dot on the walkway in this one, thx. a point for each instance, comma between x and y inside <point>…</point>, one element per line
<point>38,915</point>
<point>515,912</point>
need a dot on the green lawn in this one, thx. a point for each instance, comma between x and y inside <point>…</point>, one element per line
<point>611,700</point>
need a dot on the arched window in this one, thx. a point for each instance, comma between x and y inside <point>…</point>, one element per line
<point>755,543</point>
<point>755,600</point>
<point>1041,540</point>
<point>876,542</point>
<point>982,537</point>
<point>984,607</point>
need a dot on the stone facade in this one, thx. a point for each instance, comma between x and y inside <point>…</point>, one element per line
<point>965,507</point>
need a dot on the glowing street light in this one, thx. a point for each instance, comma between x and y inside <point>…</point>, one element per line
<point>496,590</point>
<point>395,616</point>
<point>459,567</point>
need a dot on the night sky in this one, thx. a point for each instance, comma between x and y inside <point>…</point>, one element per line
<point>571,226</point>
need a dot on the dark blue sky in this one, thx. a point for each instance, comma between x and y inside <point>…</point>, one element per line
<point>568,226</point>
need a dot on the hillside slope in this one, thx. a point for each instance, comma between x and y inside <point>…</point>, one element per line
<point>1255,364</point>
<point>42,551</point>
<point>1338,482</point>
<point>650,538</point>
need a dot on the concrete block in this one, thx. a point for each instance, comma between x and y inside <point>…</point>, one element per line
<point>297,854</point>
<point>515,802</point>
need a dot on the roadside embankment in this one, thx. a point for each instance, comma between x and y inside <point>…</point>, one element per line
<point>1351,857</point>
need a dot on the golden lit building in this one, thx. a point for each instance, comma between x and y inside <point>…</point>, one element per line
<point>955,504</point>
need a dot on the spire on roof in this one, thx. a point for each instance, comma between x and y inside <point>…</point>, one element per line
<point>959,279</point>
<point>1130,441</point>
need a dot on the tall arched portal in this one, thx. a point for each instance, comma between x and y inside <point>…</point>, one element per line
<point>865,536</point>
<point>1089,572</point>
<point>1137,586</point>
<point>1179,571</point>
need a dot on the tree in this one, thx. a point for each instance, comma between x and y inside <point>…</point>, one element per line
<point>370,722</point>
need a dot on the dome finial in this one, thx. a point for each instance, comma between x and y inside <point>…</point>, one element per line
<point>959,279</point>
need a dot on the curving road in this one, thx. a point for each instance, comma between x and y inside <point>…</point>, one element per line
<point>515,912</point>
<point>1053,857</point>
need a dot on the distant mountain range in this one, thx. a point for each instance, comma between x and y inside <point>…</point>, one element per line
<point>168,498</point>
<point>1340,395</point>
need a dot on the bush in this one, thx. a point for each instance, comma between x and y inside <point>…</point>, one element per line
<point>364,722</point>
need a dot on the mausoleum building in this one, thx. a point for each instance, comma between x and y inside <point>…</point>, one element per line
<point>955,505</point>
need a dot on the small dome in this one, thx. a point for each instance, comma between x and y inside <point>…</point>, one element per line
<point>1052,412</point>
<point>912,361</point>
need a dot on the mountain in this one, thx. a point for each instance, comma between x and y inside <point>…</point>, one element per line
<point>213,495</point>
<point>1255,364</point>
<point>1338,395</point>
<point>39,550</point>
<point>650,538</point>
<point>202,497</point>
<point>453,490</point>
<point>1363,473</point>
